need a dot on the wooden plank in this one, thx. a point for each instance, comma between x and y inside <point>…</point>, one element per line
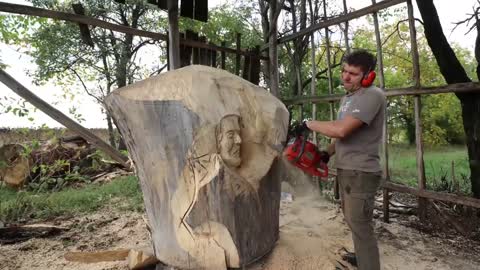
<point>48,109</point>
<point>70,17</point>
<point>393,92</point>
<point>439,196</point>
<point>201,10</point>
<point>98,256</point>
<point>186,8</point>
<point>340,19</point>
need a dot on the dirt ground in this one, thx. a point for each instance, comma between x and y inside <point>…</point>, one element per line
<point>312,233</point>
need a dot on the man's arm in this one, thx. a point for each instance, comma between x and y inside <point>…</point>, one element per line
<point>337,129</point>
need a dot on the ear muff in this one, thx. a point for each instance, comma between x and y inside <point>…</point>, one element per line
<point>368,79</point>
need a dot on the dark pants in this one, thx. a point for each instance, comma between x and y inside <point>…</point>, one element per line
<point>357,191</point>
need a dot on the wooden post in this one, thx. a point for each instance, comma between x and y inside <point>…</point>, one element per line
<point>185,53</point>
<point>255,66</point>
<point>196,51</point>
<point>213,58</point>
<point>48,109</point>
<point>204,53</point>
<point>272,48</point>
<point>422,203</point>
<point>345,31</point>
<point>329,68</point>
<point>173,35</point>
<point>223,55</point>
<point>246,68</point>
<point>238,58</point>
<point>381,77</point>
<point>313,83</point>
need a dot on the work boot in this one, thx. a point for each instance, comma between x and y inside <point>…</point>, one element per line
<point>350,258</point>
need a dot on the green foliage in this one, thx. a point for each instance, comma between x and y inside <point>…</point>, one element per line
<point>441,114</point>
<point>438,167</point>
<point>22,205</point>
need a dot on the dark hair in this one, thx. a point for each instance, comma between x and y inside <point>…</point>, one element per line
<point>361,58</point>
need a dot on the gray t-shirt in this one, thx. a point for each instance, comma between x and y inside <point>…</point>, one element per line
<point>360,150</point>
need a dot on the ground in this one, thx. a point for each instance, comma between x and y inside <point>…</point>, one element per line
<point>312,232</point>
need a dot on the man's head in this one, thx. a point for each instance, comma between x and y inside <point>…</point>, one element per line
<point>229,140</point>
<point>356,66</point>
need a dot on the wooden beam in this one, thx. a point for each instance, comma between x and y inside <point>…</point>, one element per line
<point>75,18</point>
<point>393,92</point>
<point>48,109</point>
<point>340,19</point>
<point>439,196</point>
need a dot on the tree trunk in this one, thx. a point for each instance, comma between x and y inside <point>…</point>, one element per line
<point>453,72</point>
<point>209,206</point>
<point>265,31</point>
<point>111,131</point>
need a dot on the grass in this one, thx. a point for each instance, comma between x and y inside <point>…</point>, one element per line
<point>438,167</point>
<point>124,193</point>
<point>15,206</point>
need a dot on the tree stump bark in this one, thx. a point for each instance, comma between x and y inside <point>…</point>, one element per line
<point>205,145</point>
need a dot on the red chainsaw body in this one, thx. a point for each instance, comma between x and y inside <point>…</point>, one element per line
<point>309,161</point>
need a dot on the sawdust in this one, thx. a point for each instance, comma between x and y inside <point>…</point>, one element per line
<point>312,232</point>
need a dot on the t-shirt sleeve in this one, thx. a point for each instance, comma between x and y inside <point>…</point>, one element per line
<point>365,107</point>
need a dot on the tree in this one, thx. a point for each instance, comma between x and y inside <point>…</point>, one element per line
<point>453,72</point>
<point>110,62</point>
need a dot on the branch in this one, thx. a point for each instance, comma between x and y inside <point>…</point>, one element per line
<point>84,86</point>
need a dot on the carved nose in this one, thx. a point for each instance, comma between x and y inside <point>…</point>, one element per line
<point>237,139</point>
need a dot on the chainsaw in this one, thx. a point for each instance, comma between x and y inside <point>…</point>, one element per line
<point>305,154</point>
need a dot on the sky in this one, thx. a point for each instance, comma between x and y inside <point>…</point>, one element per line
<point>18,64</point>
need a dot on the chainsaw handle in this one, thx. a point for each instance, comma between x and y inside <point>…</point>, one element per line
<point>302,148</point>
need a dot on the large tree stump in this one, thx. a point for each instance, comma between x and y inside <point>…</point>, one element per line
<point>204,143</point>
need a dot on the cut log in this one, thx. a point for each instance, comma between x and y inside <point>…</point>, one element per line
<point>14,164</point>
<point>97,256</point>
<point>205,145</point>
<point>141,258</point>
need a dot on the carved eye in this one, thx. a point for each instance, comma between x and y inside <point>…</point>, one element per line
<point>230,134</point>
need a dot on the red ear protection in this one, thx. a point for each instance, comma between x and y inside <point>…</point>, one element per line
<point>368,79</point>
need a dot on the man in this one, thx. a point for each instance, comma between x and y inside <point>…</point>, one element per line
<point>229,140</point>
<point>357,137</point>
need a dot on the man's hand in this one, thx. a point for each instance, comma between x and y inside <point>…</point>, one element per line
<point>324,156</point>
<point>300,129</point>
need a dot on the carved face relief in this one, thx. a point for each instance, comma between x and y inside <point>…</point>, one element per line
<point>229,140</point>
